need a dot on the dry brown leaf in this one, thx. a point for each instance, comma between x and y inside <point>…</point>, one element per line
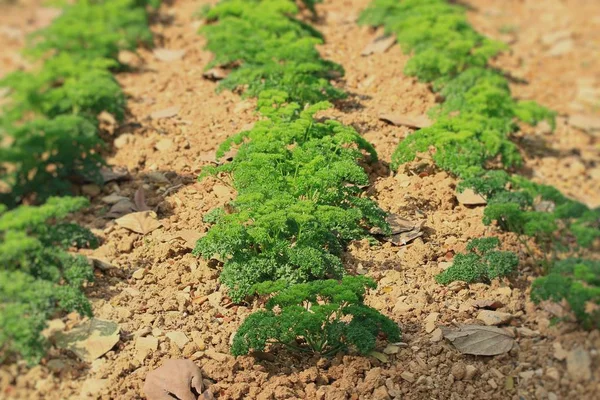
<point>168,55</point>
<point>480,340</point>
<point>216,74</point>
<point>90,339</point>
<point>142,222</point>
<point>165,113</point>
<point>121,208</point>
<point>469,198</point>
<point>380,44</point>
<point>175,377</point>
<point>189,236</point>
<point>402,120</point>
<point>397,224</point>
<point>140,200</point>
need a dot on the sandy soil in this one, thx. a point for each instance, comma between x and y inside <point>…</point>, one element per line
<point>158,289</point>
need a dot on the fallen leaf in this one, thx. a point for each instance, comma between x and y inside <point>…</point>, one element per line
<point>165,113</point>
<point>168,55</point>
<point>469,198</point>
<point>179,378</point>
<point>379,44</point>
<point>379,356</point>
<point>403,120</point>
<point>480,340</point>
<point>216,74</point>
<point>90,339</point>
<point>140,200</point>
<point>142,222</point>
<point>189,236</point>
<point>397,224</point>
<point>488,304</point>
<point>121,208</point>
<point>116,174</point>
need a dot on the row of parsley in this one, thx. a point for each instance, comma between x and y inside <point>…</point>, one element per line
<point>49,136</point>
<point>298,182</point>
<point>471,138</point>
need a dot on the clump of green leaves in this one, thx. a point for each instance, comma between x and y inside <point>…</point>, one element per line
<point>269,49</point>
<point>578,282</point>
<point>299,184</point>
<point>481,263</point>
<point>48,128</point>
<point>476,119</point>
<point>323,317</point>
<point>38,277</point>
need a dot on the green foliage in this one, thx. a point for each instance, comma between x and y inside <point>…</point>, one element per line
<point>91,29</point>
<point>298,202</point>
<point>269,50</point>
<point>324,317</point>
<point>578,282</point>
<point>45,154</point>
<point>48,128</point>
<point>481,263</point>
<point>37,276</point>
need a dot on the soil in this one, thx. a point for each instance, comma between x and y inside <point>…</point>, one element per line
<point>158,288</point>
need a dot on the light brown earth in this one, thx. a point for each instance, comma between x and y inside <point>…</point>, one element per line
<point>158,288</point>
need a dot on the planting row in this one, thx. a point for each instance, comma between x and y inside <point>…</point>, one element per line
<point>50,139</point>
<point>298,182</point>
<point>472,138</point>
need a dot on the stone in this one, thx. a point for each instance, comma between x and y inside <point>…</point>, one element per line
<point>437,335</point>
<point>459,370</point>
<point>391,349</point>
<point>57,365</point>
<point>163,144</point>
<point>408,376</point>
<point>93,387</point>
<point>91,190</point>
<point>138,274</point>
<point>470,372</point>
<point>579,364</point>
<point>198,340</point>
<point>430,322</point>
<point>381,393</point>
<point>490,318</point>
<point>588,123</point>
<point>561,48</point>
<point>220,357</point>
<point>526,375</point>
<point>123,140</point>
<point>179,338</point>
<point>469,198</point>
<point>559,353</point>
<point>553,373</point>
<point>144,346</point>
<point>526,332</point>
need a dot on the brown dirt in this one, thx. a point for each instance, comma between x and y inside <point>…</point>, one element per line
<point>177,292</point>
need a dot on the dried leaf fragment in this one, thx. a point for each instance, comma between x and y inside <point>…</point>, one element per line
<point>380,44</point>
<point>90,339</point>
<point>165,113</point>
<point>142,222</point>
<point>480,340</point>
<point>181,378</point>
<point>402,120</point>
